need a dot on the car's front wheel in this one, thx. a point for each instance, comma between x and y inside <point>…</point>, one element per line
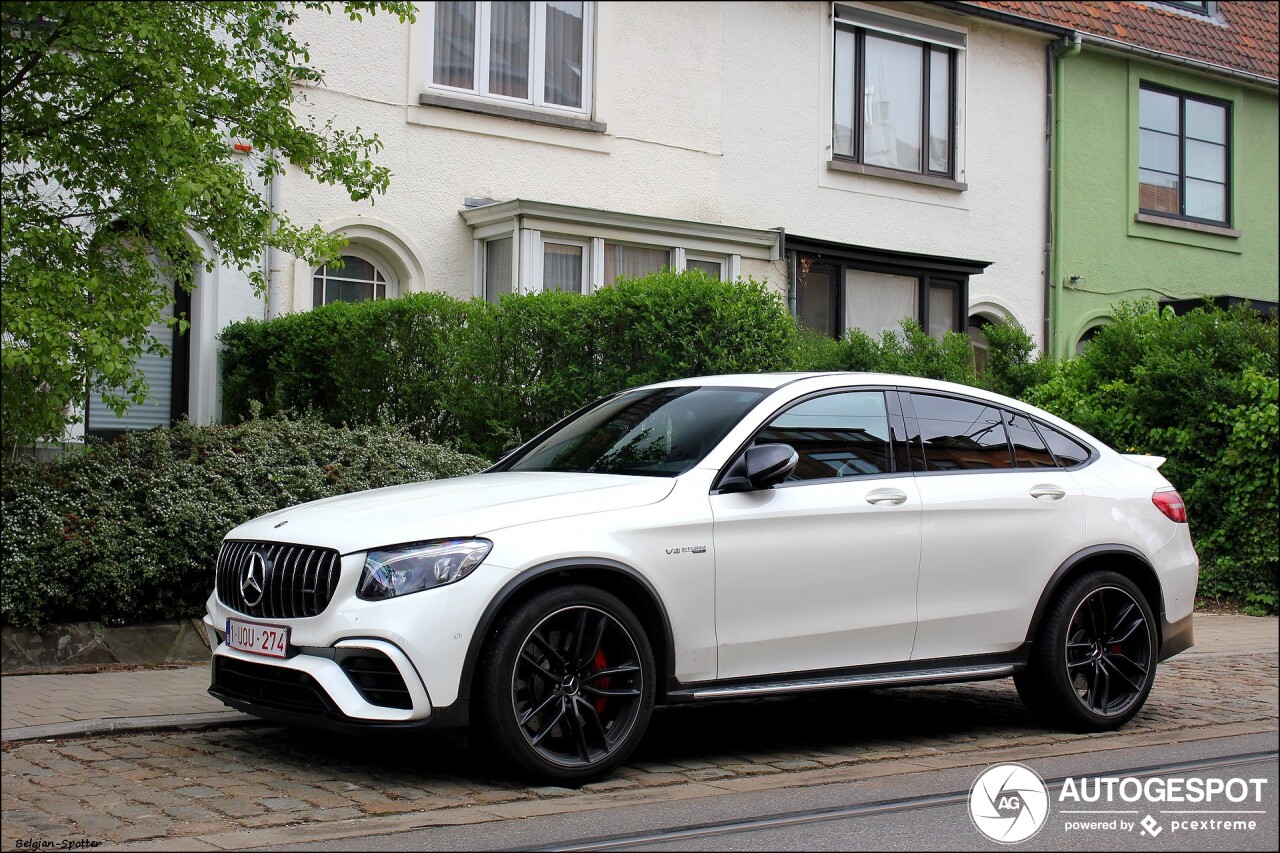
<point>1094,659</point>
<point>567,685</point>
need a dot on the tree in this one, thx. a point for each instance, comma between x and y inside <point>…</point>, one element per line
<point>117,120</point>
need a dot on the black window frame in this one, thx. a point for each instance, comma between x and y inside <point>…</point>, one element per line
<point>1228,145</point>
<point>928,270</point>
<point>859,74</point>
<point>1207,8</point>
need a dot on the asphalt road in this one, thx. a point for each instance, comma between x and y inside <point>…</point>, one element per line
<point>925,810</point>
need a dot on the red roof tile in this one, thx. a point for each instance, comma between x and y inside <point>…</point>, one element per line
<point>1242,35</point>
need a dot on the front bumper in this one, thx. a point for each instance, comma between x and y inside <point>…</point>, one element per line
<point>359,666</point>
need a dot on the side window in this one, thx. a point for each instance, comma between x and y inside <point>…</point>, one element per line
<point>960,435</point>
<point>837,435</point>
<point>1066,450</point>
<point>1029,450</point>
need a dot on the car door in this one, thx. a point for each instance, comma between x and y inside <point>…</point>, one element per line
<point>819,572</point>
<point>999,517</point>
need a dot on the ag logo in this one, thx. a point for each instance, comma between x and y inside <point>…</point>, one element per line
<point>1008,803</point>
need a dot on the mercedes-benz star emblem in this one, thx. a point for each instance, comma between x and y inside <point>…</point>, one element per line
<point>253,579</point>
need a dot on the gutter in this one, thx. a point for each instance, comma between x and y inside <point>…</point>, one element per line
<point>275,296</point>
<point>1055,55</point>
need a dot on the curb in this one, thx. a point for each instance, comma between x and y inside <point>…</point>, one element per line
<point>78,728</point>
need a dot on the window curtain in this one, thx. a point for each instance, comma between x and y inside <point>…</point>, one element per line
<point>878,302</point>
<point>454,54</point>
<point>891,104</point>
<point>632,261</point>
<point>564,54</point>
<point>509,50</point>
<point>562,267</point>
<point>497,268</point>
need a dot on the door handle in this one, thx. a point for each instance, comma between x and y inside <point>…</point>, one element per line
<point>1048,493</point>
<point>893,497</point>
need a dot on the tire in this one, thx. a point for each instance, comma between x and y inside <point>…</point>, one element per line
<point>1094,658</point>
<point>567,686</point>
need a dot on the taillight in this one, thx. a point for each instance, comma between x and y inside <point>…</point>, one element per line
<point>1169,502</point>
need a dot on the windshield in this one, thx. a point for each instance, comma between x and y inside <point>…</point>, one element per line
<point>659,432</point>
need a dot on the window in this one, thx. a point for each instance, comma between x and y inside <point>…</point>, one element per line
<point>564,265</point>
<point>1202,7</point>
<point>1087,338</point>
<point>621,261</point>
<point>1066,450</point>
<point>535,53</point>
<point>1183,155</point>
<point>978,341</point>
<point>837,435</point>
<point>355,279</point>
<point>894,92</point>
<point>1029,450</point>
<point>497,268</point>
<point>960,435</point>
<point>710,266</point>
<point>875,302</point>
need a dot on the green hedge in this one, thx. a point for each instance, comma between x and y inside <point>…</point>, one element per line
<point>1200,389</point>
<point>485,377</point>
<point>129,530</point>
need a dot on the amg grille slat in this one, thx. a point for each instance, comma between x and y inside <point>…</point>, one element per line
<point>300,580</point>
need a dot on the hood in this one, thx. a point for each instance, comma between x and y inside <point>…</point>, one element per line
<point>461,506</point>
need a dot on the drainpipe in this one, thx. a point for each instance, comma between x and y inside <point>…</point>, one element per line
<point>275,292</point>
<point>1056,53</point>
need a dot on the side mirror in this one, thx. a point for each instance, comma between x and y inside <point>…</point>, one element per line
<point>761,467</point>
<point>770,464</point>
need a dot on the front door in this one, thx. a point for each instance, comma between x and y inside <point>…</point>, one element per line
<point>820,572</point>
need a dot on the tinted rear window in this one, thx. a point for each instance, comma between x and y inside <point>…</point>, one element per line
<point>960,435</point>
<point>1029,450</point>
<point>1067,450</point>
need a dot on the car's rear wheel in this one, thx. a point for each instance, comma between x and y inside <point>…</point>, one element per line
<point>1094,660</point>
<point>567,685</point>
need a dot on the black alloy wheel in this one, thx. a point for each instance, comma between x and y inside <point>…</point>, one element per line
<point>1094,659</point>
<point>1108,651</point>
<point>568,685</point>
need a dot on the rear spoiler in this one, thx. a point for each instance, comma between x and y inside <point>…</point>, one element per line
<point>1152,462</point>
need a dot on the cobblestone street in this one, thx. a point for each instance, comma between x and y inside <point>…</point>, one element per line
<point>239,787</point>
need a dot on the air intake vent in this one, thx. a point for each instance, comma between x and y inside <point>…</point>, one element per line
<point>269,580</point>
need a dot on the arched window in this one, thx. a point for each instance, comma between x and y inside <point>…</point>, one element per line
<point>1086,338</point>
<point>356,279</point>
<point>978,341</point>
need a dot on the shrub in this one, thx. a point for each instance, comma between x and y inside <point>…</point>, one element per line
<point>1199,389</point>
<point>483,376</point>
<point>129,530</point>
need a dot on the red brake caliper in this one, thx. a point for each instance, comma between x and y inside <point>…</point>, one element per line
<point>600,663</point>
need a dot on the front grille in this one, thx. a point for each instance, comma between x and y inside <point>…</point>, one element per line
<point>376,677</point>
<point>296,580</point>
<point>271,687</point>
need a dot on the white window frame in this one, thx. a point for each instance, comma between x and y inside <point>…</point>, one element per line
<point>354,250</point>
<point>536,280</point>
<point>711,259</point>
<point>537,59</point>
<point>671,250</point>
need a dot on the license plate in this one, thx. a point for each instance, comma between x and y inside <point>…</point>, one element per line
<point>271,640</point>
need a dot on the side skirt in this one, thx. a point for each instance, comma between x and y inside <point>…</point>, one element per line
<point>903,674</point>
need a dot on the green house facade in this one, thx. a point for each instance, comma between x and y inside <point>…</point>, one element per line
<point>1164,157</point>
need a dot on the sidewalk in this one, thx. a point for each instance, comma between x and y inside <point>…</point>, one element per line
<point>53,706</point>
<point>50,706</point>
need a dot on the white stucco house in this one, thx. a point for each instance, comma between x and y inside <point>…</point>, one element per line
<point>869,160</point>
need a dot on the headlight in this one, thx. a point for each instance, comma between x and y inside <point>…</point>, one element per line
<point>418,566</point>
